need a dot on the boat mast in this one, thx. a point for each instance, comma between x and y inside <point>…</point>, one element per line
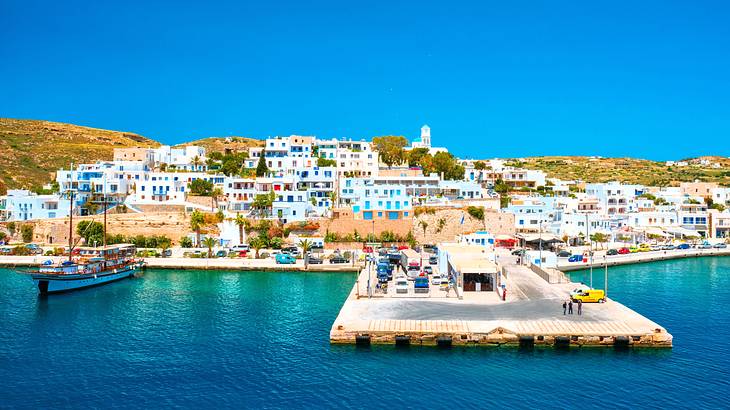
<point>103,249</point>
<point>71,215</point>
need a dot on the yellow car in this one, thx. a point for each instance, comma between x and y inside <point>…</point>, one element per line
<point>633,249</point>
<point>590,296</point>
<point>644,247</point>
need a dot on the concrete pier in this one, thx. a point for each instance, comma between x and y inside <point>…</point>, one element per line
<point>531,315</point>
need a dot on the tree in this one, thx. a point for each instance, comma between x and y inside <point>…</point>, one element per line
<point>423,225</point>
<point>446,164</point>
<point>11,228</point>
<point>165,245</point>
<point>196,162</point>
<point>599,237</point>
<point>480,166</point>
<point>197,221</point>
<point>209,242</point>
<point>26,232</point>
<point>415,155</point>
<point>201,187</point>
<point>324,162</point>
<point>257,244</point>
<point>241,222</point>
<point>264,202</point>
<point>186,242</point>
<point>261,168</point>
<point>306,246</point>
<point>91,231</point>
<point>215,193</point>
<point>3,236</point>
<point>391,149</point>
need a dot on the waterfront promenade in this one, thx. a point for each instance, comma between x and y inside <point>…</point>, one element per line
<point>240,264</point>
<point>600,259</point>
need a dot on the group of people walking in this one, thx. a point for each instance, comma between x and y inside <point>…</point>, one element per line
<point>568,307</point>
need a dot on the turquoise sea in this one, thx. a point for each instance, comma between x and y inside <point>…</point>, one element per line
<point>260,340</point>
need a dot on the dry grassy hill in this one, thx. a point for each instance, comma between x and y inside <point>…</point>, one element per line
<point>628,170</point>
<point>224,144</point>
<point>30,150</point>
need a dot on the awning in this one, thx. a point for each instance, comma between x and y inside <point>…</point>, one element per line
<point>655,231</point>
<point>504,237</point>
<point>539,237</point>
<point>678,230</point>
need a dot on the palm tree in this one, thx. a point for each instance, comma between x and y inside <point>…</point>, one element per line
<point>165,245</point>
<point>257,244</point>
<point>306,247</point>
<point>423,225</point>
<point>196,162</point>
<point>241,222</point>
<point>197,220</point>
<point>214,195</point>
<point>209,242</point>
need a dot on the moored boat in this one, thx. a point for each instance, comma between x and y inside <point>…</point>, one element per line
<point>91,267</point>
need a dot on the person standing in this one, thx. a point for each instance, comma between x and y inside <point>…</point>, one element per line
<point>570,307</point>
<point>580,307</point>
<point>565,306</point>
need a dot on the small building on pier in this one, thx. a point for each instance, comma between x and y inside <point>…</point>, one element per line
<point>471,267</point>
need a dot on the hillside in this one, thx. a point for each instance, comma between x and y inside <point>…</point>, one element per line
<point>223,144</point>
<point>32,150</point>
<point>628,170</point>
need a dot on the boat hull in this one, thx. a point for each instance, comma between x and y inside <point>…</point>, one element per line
<point>63,283</point>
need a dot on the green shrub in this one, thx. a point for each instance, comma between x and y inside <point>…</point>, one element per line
<point>26,232</point>
<point>476,212</point>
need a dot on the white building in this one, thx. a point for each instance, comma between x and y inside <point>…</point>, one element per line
<point>614,197</point>
<point>23,205</point>
<point>370,201</point>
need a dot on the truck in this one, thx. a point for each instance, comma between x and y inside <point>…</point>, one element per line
<point>386,269</point>
<point>410,258</point>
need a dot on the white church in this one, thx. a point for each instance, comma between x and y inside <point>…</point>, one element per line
<point>424,141</point>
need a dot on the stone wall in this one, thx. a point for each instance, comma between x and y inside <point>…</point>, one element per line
<point>494,222</point>
<point>174,225</point>
<point>346,224</point>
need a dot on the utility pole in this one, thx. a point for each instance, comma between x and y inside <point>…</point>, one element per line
<point>605,278</point>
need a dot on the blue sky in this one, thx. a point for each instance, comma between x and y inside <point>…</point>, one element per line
<point>645,79</point>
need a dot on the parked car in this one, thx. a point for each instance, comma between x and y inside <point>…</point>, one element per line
<point>401,284</point>
<point>313,260</point>
<point>367,249</point>
<point>428,270</point>
<point>167,253</point>
<point>719,245</point>
<point>413,272</point>
<point>221,254</point>
<point>285,259</point>
<point>683,246</point>
<point>704,245</point>
<point>624,251</point>
<point>420,285</point>
<point>576,258</point>
<point>34,249</point>
<point>644,247</point>
<point>564,254</point>
<point>240,248</point>
<point>655,247</point>
<point>612,252</point>
<point>518,252</point>
<point>633,249</point>
<point>668,247</point>
<point>338,259</point>
<point>436,279</point>
<point>433,260</point>
<point>402,247</point>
